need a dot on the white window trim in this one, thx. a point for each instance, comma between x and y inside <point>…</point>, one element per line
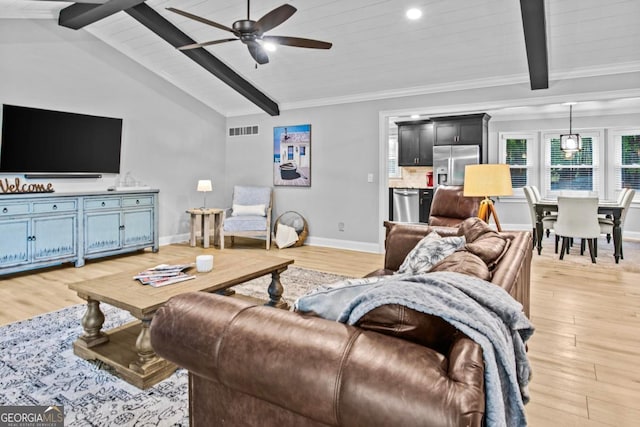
<point>533,156</point>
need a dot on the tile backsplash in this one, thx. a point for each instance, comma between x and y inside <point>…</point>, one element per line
<point>412,177</point>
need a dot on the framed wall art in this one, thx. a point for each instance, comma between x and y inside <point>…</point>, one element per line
<point>292,156</point>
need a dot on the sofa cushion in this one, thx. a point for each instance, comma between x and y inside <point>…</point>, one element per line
<point>483,241</point>
<point>245,223</point>
<point>429,251</point>
<point>466,263</point>
<point>411,325</point>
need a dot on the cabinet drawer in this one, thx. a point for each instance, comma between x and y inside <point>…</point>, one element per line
<point>128,202</point>
<point>107,203</point>
<point>7,209</point>
<point>59,206</point>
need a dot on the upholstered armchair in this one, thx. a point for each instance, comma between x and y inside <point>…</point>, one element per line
<point>250,214</point>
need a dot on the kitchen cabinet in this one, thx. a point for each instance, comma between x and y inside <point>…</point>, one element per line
<point>469,129</point>
<point>426,196</point>
<point>415,143</point>
<point>41,230</point>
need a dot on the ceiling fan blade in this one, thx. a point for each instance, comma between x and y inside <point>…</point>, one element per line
<point>298,42</point>
<point>197,45</point>
<point>201,19</point>
<point>276,17</point>
<point>257,52</point>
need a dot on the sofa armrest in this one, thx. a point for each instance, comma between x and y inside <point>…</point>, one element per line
<point>327,371</point>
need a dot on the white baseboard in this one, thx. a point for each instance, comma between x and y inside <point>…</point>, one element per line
<point>168,240</point>
<point>345,244</point>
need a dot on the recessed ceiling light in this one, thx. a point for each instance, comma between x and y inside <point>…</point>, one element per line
<point>414,13</point>
<point>415,116</point>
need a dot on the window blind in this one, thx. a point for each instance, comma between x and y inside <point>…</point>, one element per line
<point>518,161</point>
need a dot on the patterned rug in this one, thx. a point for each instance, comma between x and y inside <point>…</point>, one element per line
<point>38,367</point>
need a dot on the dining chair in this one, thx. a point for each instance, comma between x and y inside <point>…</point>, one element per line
<point>606,224</point>
<point>578,219</point>
<point>548,221</point>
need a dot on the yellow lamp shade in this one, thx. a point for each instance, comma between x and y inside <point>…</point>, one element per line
<point>487,180</point>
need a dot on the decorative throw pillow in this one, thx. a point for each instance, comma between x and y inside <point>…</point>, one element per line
<point>466,263</point>
<point>285,236</point>
<point>246,210</point>
<point>429,251</point>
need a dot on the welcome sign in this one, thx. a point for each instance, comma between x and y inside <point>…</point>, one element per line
<point>17,187</point>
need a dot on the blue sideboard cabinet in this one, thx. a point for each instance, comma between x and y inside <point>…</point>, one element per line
<point>41,230</point>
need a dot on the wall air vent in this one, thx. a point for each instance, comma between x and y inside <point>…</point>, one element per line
<point>244,130</point>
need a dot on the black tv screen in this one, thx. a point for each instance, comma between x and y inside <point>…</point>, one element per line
<point>37,140</point>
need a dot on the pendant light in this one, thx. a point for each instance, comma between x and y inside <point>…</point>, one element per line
<point>571,142</point>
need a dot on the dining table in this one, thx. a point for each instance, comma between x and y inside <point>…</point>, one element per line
<point>605,207</point>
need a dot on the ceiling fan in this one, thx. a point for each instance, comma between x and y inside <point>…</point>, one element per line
<point>251,32</point>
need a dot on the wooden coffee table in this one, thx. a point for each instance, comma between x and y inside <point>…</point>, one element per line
<point>128,348</point>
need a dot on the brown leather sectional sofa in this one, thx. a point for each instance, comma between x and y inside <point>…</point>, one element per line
<point>258,366</point>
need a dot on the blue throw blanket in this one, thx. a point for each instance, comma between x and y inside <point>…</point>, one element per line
<point>483,311</point>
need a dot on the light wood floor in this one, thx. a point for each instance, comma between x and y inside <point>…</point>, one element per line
<point>585,352</point>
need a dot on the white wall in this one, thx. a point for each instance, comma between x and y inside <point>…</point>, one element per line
<point>170,140</point>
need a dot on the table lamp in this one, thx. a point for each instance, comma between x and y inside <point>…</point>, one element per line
<point>204,185</point>
<point>487,180</point>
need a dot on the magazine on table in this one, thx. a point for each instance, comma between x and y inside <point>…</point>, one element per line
<point>164,274</point>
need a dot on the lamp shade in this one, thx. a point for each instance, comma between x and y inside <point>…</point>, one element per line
<point>487,180</point>
<point>204,185</point>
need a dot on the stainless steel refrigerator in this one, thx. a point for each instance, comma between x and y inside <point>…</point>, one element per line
<point>449,162</point>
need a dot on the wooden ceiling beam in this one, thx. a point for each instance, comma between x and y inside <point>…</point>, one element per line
<point>535,39</point>
<point>80,15</point>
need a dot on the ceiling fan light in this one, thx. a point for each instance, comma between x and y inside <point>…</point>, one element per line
<point>414,13</point>
<point>269,47</point>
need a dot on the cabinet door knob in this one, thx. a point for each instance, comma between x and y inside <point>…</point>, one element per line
<point>55,207</point>
<point>5,210</point>
<point>103,204</point>
<point>137,202</point>
<point>122,227</point>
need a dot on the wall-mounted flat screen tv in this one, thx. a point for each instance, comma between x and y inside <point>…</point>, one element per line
<point>37,140</point>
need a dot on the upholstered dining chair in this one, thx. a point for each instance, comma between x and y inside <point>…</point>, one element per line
<point>578,219</point>
<point>250,214</point>
<point>548,221</point>
<point>606,224</point>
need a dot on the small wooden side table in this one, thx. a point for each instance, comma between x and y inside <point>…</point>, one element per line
<point>218,218</point>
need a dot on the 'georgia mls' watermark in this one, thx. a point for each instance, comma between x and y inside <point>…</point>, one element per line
<point>32,416</point>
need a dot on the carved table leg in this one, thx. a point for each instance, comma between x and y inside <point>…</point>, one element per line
<point>146,356</point>
<point>275,291</point>
<point>92,322</point>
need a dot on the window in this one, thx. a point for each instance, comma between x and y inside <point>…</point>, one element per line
<point>575,172</point>
<point>517,150</point>
<point>627,159</point>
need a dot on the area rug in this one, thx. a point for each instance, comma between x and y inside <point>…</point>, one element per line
<point>605,259</point>
<point>38,367</point>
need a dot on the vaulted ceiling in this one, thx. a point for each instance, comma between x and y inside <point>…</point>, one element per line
<point>377,52</point>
